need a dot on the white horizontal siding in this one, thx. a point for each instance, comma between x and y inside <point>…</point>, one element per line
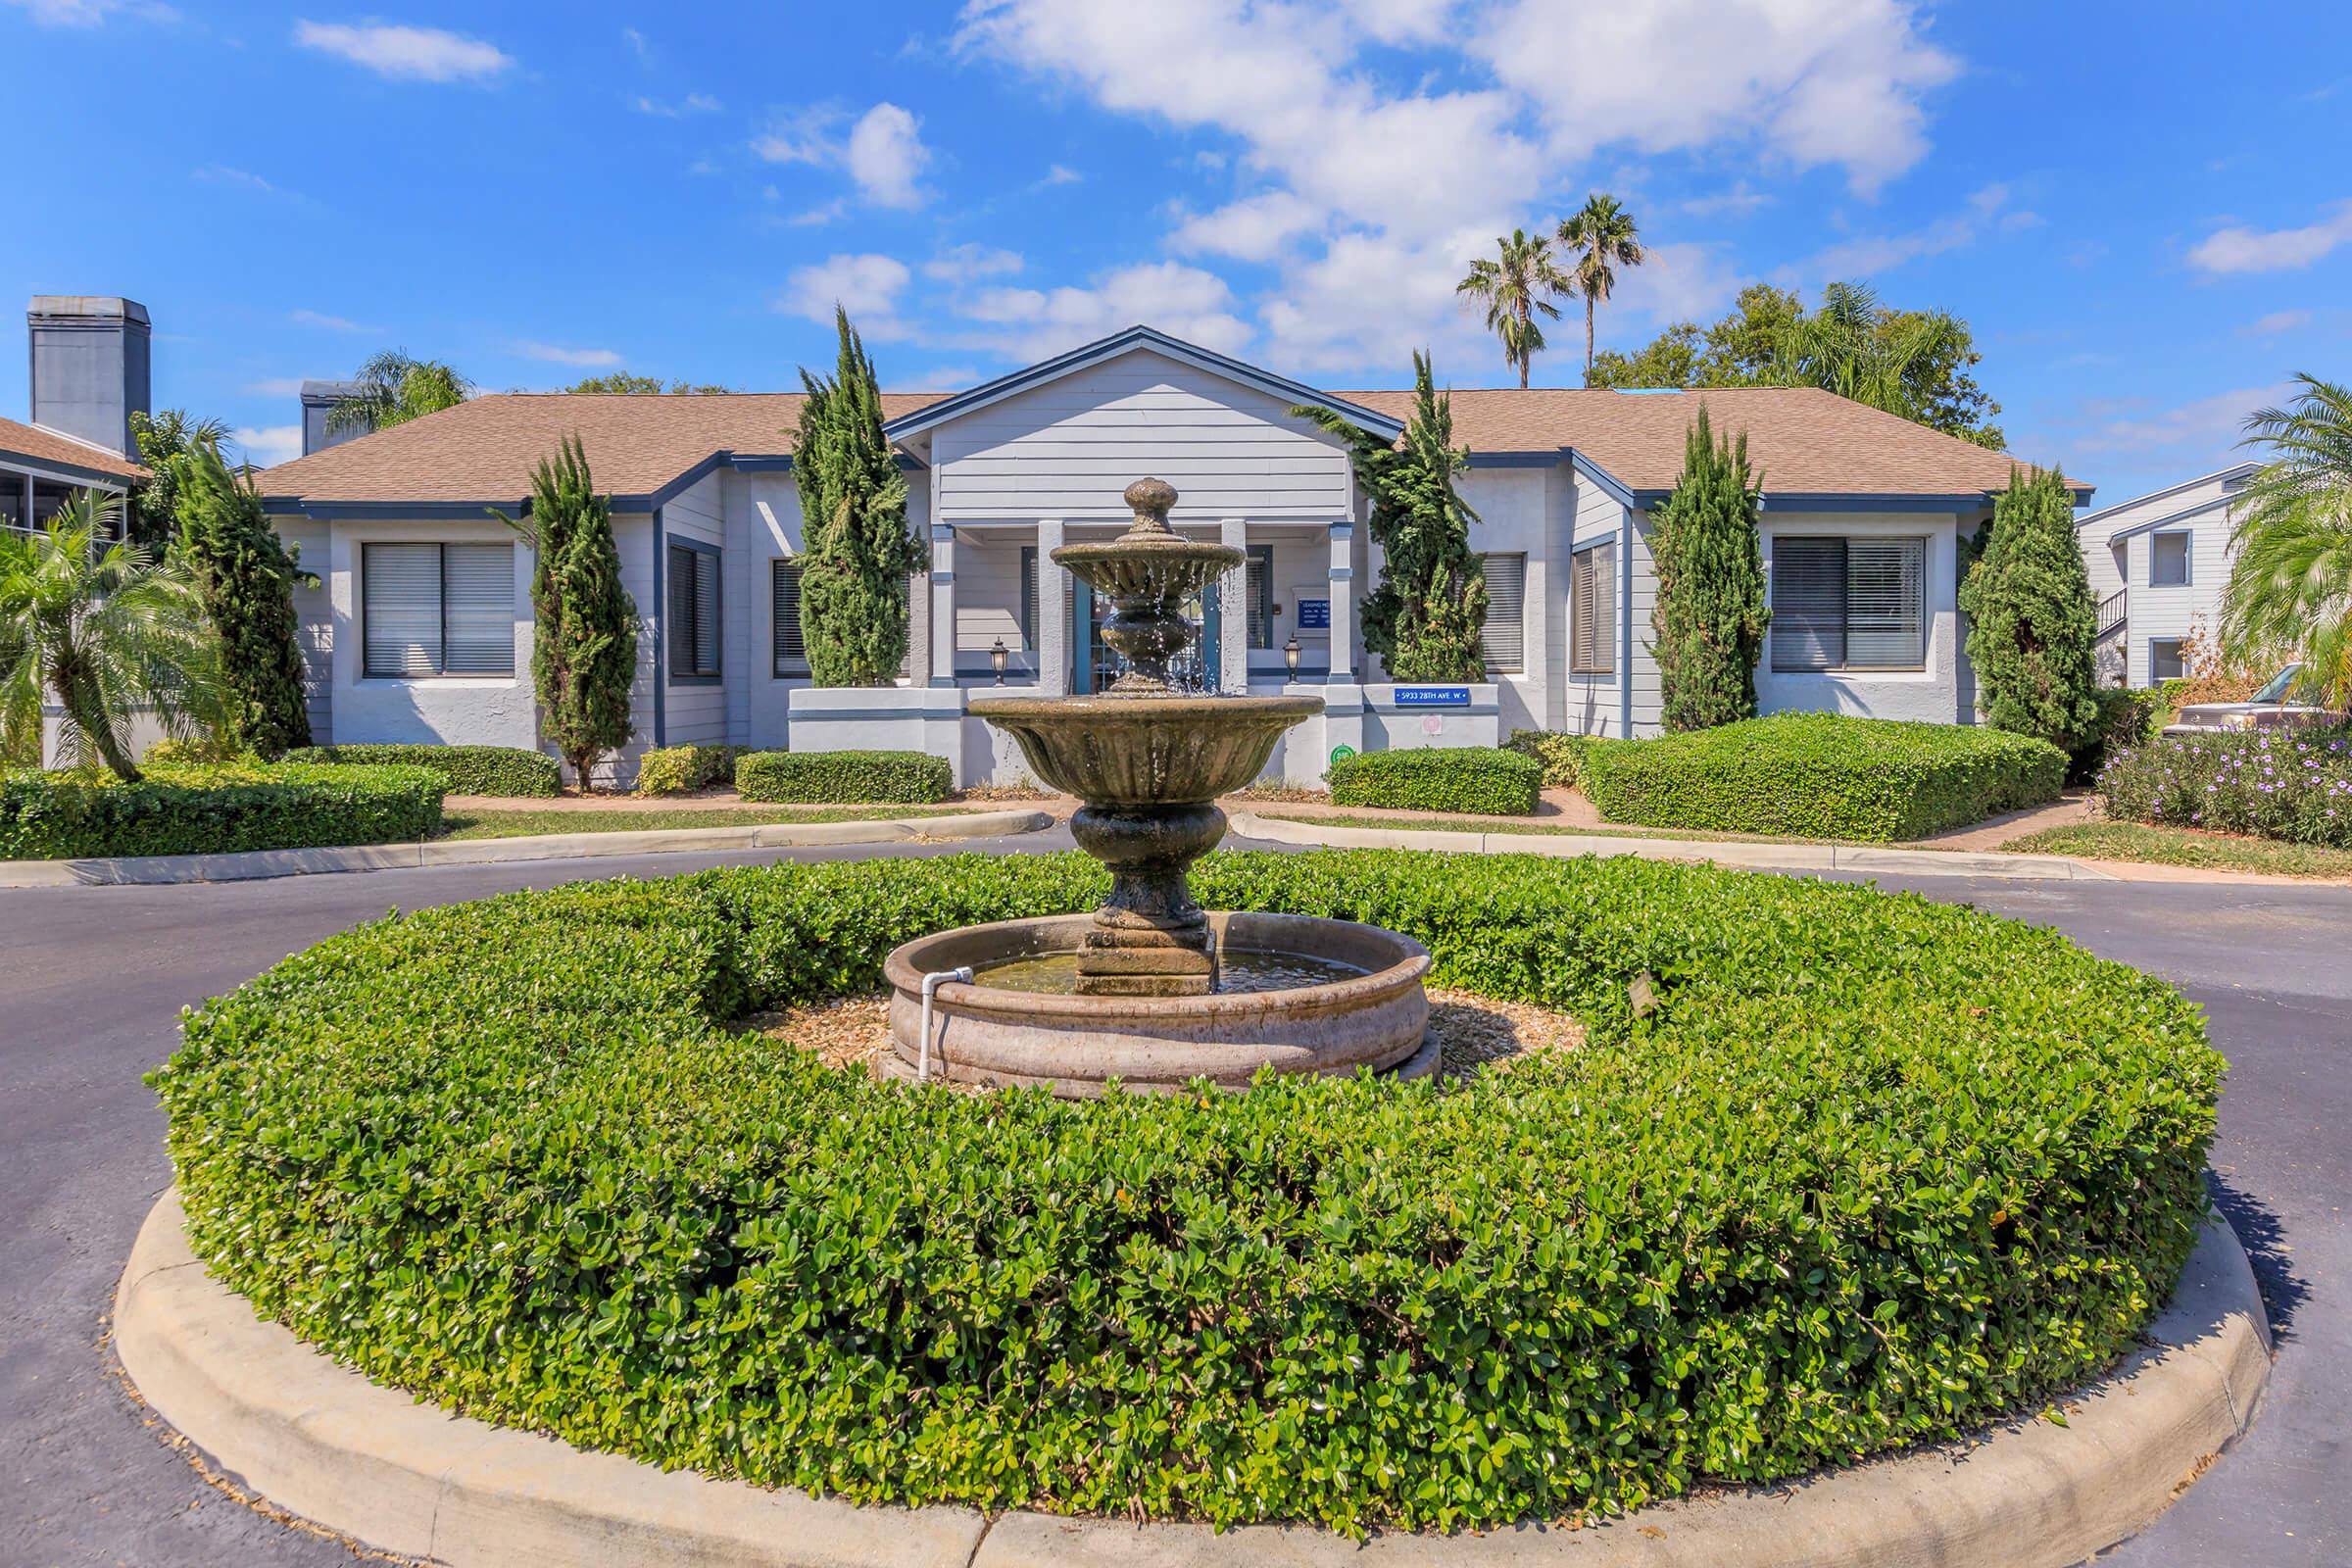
<point>314,623</point>
<point>1593,702</point>
<point>1069,448</point>
<point>696,711</point>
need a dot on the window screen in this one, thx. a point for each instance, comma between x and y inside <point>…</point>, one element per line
<point>693,612</point>
<point>1028,597</point>
<point>1505,643</point>
<point>1258,589</point>
<point>2168,560</point>
<point>1846,603</point>
<point>436,610</point>
<point>1593,611</point>
<point>2164,660</point>
<point>790,657</point>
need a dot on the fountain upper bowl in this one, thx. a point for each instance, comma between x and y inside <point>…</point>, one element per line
<point>1124,752</point>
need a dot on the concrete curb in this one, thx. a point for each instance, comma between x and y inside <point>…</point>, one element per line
<point>1718,852</point>
<point>247,866</point>
<point>407,1478</point>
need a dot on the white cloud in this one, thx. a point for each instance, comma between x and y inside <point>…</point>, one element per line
<point>1737,202</point>
<point>638,45</point>
<point>1867,255</point>
<point>1397,22</point>
<point>2237,249</point>
<point>1062,174</point>
<point>1676,283</point>
<point>868,286</point>
<point>947,378</point>
<point>2280,322</point>
<point>1256,229</point>
<point>404,53</point>
<point>332,323</point>
<point>1036,324</point>
<point>814,217</point>
<point>268,445</point>
<point>886,155</point>
<point>90,12</point>
<point>804,137</point>
<point>965,263</point>
<point>2207,422</point>
<point>557,354</point>
<point>694,103</point>
<point>276,386</point>
<point>242,180</point>
<point>1810,81</point>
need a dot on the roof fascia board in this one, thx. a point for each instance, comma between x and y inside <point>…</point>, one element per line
<point>1801,500</point>
<point>1131,340</point>
<point>390,510</point>
<point>1608,483</point>
<point>2236,470</point>
<point>64,472</point>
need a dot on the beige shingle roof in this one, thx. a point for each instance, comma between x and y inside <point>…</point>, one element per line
<point>484,449</point>
<point>1803,441</point>
<point>39,445</point>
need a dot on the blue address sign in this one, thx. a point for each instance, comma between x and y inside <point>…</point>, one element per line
<point>1433,696</point>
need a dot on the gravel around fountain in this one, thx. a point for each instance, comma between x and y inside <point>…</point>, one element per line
<point>1473,1032</point>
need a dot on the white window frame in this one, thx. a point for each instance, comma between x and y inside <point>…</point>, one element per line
<point>441,669</point>
<point>1517,665</point>
<point>1843,663</point>
<point>2188,569</point>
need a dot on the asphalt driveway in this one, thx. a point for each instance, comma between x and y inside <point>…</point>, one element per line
<point>93,980</point>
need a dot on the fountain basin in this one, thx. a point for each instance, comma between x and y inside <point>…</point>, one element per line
<point>1377,1017</point>
<point>1127,751</point>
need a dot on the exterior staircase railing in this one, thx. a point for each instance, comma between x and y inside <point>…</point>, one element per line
<point>2112,612</point>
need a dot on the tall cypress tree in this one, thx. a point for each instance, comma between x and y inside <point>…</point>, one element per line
<point>857,549</point>
<point>246,580</point>
<point>1427,616</point>
<point>1709,619</point>
<point>2033,624</point>
<point>584,642</point>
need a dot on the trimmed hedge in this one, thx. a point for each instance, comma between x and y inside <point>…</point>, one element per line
<point>470,769</point>
<point>215,811</point>
<point>1478,779</point>
<point>1822,775</point>
<point>830,778</point>
<point>1876,1170</point>
<point>1562,756</point>
<point>2293,785</point>
<point>672,769</point>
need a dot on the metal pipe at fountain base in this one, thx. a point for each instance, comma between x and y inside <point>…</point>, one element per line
<point>931,984</point>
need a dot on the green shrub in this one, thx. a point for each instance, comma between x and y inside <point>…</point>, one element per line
<point>1876,1170</point>
<point>2296,785</point>
<point>827,778</point>
<point>672,769</point>
<point>1479,779</point>
<point>1822,775</point>
<point>215,811</point>
<point>201,750</point>
<point>2126,719</point>
<point>470,769</point>
<point>1562,756</point>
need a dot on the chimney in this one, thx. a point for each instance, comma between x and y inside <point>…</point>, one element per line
<point>318,400</point>
<point>89,366</point>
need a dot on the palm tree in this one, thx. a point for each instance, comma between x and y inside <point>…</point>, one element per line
<point>1516,285</point>
<point>99,631</point>
<point>1604,237</point>
<point>394,389</point>
<point>2290,587</point>
<point>1856,348</point>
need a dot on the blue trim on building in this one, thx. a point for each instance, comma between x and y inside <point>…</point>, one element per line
<point>72,473</point>
<point>717,553</point>
<point>1515,460</point>
<point>1803,501</point>
<point>1135,337</point>
<point>1608,483</point>
<point>394,511</point>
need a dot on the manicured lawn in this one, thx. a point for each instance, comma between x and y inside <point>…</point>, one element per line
<point>473,824</point>
<point>1424,822</point>
<point>2180,845</point>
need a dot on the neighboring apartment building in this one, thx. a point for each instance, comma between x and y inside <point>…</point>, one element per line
<point>2158,564</point>
<point>421,627</point>
<point>89,374</point>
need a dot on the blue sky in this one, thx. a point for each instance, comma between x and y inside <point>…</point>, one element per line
<point>2143,212</point>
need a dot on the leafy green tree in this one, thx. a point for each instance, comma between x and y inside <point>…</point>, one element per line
<point>584,636</point>
<point>168,443</point>
<point>246,580</point>
<point>1428,615</point>
<point>1602,237</point>
<point>2290,587</point>
<point>2032,626</point>
<point>624,381</point>
<point>395,388</point>
<point>102,631</point>
<point>1516,285</point>
<point>860,549</point>
<point>1913,364</point>
<point>1709,619</point>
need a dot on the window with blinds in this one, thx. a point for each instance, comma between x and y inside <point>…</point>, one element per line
<point>1848,604</point>
<point>1593,611</point>
<point>1029,597</point>
<point>790,655</point>
<point>436,610</point>
<point>1505,643</point>
<point>693,612</point>
<point>1258,584</point>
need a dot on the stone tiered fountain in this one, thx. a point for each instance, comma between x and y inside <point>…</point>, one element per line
<point>1150,989</point>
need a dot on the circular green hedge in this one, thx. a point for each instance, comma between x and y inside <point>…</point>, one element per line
<point>1874,1171</point>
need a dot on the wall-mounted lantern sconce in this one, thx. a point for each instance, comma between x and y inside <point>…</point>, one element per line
<point>996,655</point>
<point>1289,653</point>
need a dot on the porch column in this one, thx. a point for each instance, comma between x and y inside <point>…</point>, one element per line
<point>1052,613</point>
<point>943,605</point>
<point>1233,611</point>
<point>1343,604</point>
